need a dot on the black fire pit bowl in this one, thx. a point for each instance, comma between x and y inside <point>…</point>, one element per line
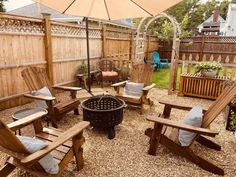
<point>103,111</point>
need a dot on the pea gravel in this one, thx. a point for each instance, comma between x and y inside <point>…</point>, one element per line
<point>126,155</point>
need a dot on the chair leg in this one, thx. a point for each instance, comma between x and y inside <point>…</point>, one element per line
<point>76,111</point>
<point>204,164</point>
<point>155,138</point>
<point>6,169</point>
<point>141,109</point>
<point>189,154</point>
<point>53,121</point>
<point>208,143</point>
<point>78,141</point>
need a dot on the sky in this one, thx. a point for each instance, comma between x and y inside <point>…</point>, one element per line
<point>14,4</point>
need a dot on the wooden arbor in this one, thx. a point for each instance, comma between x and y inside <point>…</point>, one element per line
<point>141,37</point>
<point>35,79</point>
<point>166,131</point>
<point>60,145</point>
<point>140,73</point>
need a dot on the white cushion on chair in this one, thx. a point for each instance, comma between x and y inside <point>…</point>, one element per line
<point>34,145</point>
<point>194,118</point>
<point>133,89</point>
<point>44,92</point>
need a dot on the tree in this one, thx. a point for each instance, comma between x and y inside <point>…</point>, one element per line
<point>190,14</point>
<point>2,9</point>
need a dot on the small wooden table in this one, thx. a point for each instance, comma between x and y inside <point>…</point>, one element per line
<point>83,77</point>
<point>21,114</point>
<point>197,85</point>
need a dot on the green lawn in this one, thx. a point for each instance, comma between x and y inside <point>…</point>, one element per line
<point>161,77</point>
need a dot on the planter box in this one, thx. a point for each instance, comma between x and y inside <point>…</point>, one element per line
<point>196,85</point>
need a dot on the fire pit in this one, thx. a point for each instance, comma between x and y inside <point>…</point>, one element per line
<point>103,111</point>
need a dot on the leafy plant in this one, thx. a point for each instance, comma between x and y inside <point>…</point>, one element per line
<point>208,66</point>
<point>125,73</point>
<point>83,69</point>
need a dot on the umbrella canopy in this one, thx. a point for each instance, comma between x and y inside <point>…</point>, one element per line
<point>110,9</point>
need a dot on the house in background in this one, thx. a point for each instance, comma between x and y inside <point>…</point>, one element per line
<point>230,25</point>
<point>214,25</point>
<point>35,10</point>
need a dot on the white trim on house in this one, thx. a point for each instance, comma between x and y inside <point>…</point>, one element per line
<point>230,25</point>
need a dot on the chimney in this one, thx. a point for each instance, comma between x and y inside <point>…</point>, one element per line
<point>216,14</point>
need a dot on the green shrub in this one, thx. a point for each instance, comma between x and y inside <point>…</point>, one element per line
<point>208,66</point>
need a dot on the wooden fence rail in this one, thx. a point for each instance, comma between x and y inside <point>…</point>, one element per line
<point>59,47</point>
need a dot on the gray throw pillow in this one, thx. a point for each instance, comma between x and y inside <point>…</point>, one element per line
<point>133,89</point>
<point>43,92</point>
<point>194,118</point>
<point>34,145</point>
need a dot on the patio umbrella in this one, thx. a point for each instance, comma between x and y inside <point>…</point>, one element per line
<point>108,10</point>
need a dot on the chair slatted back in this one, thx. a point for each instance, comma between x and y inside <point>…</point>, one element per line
<point>9,141</point>
<point>219,104</point>
<point>36,78</point>
<point>106,65</point>
<point>141,73</point>
<point>156,57</point>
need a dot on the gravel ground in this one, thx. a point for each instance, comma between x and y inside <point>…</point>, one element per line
<point>126,155</point>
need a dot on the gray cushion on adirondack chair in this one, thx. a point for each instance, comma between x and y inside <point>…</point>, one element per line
<point>133,89</point>
<point>44,92</point>
<point>194,118</point>
<point>34,145</point>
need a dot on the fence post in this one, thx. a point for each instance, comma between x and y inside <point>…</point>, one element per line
<point>48,46</point>
<point>148,45</point>
<point>202,47</point>
<point>131,46</point>
<point>104,41</point>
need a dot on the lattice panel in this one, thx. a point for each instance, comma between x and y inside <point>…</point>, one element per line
<point>210,39</point>
<point>75,31</point>
<point>21,26</point>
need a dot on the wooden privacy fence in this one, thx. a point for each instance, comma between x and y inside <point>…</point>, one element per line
<point>204,48</point>
<point>59,47</point>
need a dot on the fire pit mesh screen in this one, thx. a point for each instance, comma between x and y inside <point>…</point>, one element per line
<point>103,111</point>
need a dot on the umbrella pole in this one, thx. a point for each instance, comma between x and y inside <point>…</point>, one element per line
<point>88,57</point>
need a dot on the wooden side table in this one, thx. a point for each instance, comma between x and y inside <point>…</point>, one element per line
<point>21,114</point>
<point>83,77</point>
<point>196,85</point>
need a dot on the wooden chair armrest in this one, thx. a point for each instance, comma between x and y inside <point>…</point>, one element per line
<point>164,60</point>
<point>66,88</point>
<point>75,130</point>
<point>119,84</point>
<point>149,87</point>
<point>26,121</point>
<point>177,105</point>
<point>180,125</point>
<point>40,97</point>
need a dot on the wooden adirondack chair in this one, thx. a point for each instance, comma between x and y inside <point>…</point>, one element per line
<point>63,146</point>
<point>140,73</point>
<point>166,131</point>
<point>35,79</point>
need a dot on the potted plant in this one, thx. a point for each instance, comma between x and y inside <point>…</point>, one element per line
<point>208,68</point>
<point>124,73</point>
<point>83,69</point>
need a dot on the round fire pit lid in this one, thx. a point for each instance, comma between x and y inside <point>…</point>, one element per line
<point>103,103</point>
